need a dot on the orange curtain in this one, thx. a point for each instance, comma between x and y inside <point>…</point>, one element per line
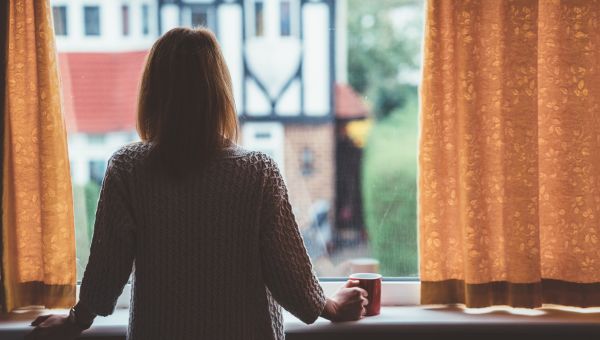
<point>38,266</point>
<point>510,153</point>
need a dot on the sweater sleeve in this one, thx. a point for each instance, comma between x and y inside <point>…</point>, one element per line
<point>112,251</point>
<point>286,266</point>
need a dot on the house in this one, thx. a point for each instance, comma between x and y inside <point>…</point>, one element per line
<point>284,62</point>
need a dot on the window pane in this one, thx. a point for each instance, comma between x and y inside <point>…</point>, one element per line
<point>59,15</point>
<point>92,20</point>
<point>199,16</point>
<point>97,169</point>
<point>259,18</point>
<point>125,19</point>
<point>285,24</point>
<point>145,20</point>
<point>340,122</point>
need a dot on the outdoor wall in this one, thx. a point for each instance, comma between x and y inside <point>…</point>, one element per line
<point>307,189</point>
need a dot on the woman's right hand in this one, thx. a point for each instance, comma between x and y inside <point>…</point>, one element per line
<point>348,303</point>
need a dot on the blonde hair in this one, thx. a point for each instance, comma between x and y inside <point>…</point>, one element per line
<point>186,108</point>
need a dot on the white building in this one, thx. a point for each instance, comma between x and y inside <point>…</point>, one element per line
<point>282,59</point>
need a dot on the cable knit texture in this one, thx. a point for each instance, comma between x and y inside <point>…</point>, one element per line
<point>213,256</point>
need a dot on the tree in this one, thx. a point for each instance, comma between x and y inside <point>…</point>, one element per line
<point>384,42</point>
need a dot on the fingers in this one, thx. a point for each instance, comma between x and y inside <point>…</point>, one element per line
<point>364,302</point>
<point>40,319</point>
<point>351,283</point>
<point>363,292</point>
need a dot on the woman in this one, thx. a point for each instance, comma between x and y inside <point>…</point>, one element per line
<point>207,224</point>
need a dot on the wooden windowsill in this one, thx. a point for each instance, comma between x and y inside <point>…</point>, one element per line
<point>407,322</point>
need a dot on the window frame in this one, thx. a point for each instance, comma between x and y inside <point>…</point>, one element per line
<point>211,16</point>
<point>65,19</point>
<point>395,291</point>
<point>145,19</point>
<point>125,20</point>
<point>86,33</point>
<point>272,27</point>
<point>292,20</point>
<point>255,20</point>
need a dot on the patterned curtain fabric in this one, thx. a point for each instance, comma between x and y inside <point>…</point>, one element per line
<point>510,153</point>
<point>38,265</point>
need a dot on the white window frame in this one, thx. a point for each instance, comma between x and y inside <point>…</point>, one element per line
<point>393,293</point>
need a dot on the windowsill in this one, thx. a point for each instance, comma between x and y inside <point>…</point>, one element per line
<point>412,321</point>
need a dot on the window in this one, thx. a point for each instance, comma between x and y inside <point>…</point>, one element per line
<point>91,16</point>
<point>308,159</point>
<point>145,20</point>
<point>259,20</point>
<point>125,20</point>
<point>285,27</point>
<point>59,15</point>
<point>265,137</point>
<point>351,175</point>
<point>199,16</point>
<point>96,139</point>
<point>102,121</point>
<point>97,169</point>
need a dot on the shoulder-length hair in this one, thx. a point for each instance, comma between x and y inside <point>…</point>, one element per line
<point>186,109</point>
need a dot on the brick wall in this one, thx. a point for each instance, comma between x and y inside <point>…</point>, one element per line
<point>306,189</point>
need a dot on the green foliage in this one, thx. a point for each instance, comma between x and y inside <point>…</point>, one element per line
<point>85,199</point>
<point>92,193</point>
<point>384,43</point>
<point>381,49</point>
<point>390,191</point>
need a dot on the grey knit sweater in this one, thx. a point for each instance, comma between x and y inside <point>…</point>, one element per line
<point>213,256</point>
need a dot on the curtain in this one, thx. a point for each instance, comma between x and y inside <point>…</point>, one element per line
<point>509,187</point>
<point>38,258</point>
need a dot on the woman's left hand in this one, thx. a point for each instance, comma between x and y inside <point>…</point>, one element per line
<point>53,327</point>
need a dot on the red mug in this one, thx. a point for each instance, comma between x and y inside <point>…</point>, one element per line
<point>370,282</point>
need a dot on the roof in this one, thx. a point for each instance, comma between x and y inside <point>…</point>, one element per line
<point>348,104</point>
<point>100,90</point>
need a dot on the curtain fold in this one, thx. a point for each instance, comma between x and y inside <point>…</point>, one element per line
<point>38,265</point>
<point>509,187</point>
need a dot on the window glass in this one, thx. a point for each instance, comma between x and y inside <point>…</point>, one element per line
<point>199,16</point>
<point>97,169</point>
<point>91,20</point>
<point>259,20</point>
<point>97,139</point>
<point>336,107</point>
<point>285,18</point>
<point>145,20</point>
<point>125,20</point>
<point>59,15</point>
<point>308,159</point>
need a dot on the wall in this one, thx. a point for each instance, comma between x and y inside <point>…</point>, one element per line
<point>305,190</point>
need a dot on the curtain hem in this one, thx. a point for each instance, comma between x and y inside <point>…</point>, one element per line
<point>36,293</point>
<point>524,295</point>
